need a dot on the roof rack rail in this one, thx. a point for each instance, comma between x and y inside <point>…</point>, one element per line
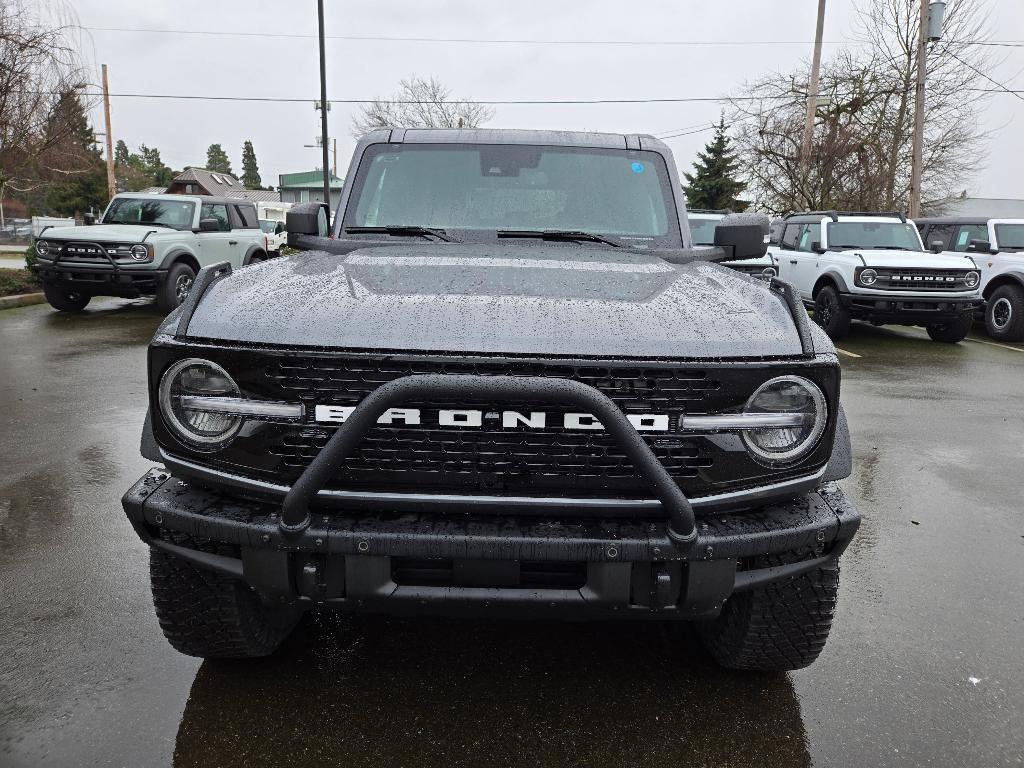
<point>834,215</point>
<point>726,211</point>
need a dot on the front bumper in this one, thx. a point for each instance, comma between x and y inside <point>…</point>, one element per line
<point>902,309</point>
<point>491,565</point>
<point>100,280</point>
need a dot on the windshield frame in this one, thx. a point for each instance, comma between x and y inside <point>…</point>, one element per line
<point>672,239</point>
<point>121,198</point>
<point>829,245</point>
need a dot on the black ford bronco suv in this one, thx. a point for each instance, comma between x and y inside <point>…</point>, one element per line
<point>502,383</point>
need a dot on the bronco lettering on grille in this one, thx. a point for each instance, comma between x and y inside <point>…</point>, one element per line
<point>642,422</point>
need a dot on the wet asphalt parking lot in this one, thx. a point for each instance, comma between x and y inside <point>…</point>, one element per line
<point>925,665</point>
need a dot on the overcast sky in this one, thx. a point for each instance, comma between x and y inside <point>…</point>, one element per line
<point>288,68</point>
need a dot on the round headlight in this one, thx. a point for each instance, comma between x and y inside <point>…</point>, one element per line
<point>768,273</point>
<point>786,395</point>
<point>868,277</point>
<point>139,252</point>
<point>182,384</point>
<point>42,247</point>
<point>971,279</point>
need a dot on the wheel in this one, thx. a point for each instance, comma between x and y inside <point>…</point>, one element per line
<point>830,314</point>
<point>175,287</point>
<point>780,627</point>
<point>204,613</point>
<point>1004,313</point>
<point>256,260</point>
<point>65,300</point>
<point>952,331</point>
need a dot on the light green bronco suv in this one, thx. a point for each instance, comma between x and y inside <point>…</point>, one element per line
<point>147,245</point>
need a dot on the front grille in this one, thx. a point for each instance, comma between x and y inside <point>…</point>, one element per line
<point>921,280</point>
<point>347,381</point>
<point>489,458</point>
<point>80,251</point>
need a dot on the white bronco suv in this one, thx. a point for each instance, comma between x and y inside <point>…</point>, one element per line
<point>997,245</point>
<point>146,245</point>
<point>702,230</point>
<point>873,267</point>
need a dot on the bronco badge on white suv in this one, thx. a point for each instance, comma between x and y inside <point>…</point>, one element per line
<point>147,245</point>
<point>873,267</point>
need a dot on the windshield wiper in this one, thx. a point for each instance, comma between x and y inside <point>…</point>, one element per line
<point>559,234</point>
<point>409,230</point>
<point>140,223</point>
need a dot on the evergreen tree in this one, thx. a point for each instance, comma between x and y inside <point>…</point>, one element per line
<point>120,153</point>
<point>83,183</point>
<point>250,169</point>
<point>154,167</point>
<point>217,160</point>
<point>713,183</point>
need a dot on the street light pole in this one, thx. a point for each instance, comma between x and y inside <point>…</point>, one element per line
<point>812,91</point>
<point>917,145</point>
<point>323,106</point>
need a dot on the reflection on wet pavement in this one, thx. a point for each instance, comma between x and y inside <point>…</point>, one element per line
<point>373,691</point>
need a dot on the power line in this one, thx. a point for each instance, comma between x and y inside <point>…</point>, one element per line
<point>1002,88</point>
<point>506,41</point>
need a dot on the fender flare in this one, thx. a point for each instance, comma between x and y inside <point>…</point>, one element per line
<point>1012,276</point>
<point>175,255</point>
<point>836,277</point>
<point>253,251</point>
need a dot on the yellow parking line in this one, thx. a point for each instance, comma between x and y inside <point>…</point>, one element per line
<point>850,354</point>
<point>995,344</point>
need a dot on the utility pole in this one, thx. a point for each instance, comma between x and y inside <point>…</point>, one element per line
<point>334,157</point>
<point>323,107</point>
<point>812,92</point>
<point>111,179</point>
<point>917,146</point>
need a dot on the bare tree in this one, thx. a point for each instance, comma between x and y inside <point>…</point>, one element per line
<point>41,75</point>
<point>862,136</point>
<point>420,103</point>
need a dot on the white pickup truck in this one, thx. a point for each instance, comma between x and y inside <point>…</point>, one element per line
<point>997,245</point>
<point>873,267</point>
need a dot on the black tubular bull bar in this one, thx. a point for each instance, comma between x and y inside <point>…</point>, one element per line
<point>295,517</point>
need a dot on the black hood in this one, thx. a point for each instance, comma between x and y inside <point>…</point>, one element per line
<point>506,299</point>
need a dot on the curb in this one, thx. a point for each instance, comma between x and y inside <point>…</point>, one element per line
<point>21,300</point>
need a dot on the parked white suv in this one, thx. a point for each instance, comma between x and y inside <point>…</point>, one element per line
<point>997,245</point>
<point>873,267</point>
<point>146,245</point>
<point>702,230</point>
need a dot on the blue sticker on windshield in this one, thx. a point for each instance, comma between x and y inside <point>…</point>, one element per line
<point>637,167</point>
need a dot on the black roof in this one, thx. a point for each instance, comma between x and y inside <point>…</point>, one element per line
<point>955,220</point>
<point>834,215</point>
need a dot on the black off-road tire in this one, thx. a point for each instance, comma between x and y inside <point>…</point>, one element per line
<point>830,314</point>
<point>780,627</point>
<point>951,332</point>
<point>175,287</point>
<point>65,300</point>
<point>1004,313</point>
<point>204,613</point>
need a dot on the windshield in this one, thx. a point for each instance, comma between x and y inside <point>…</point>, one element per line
<point>268,226</point>
<point>477,190</point>
<point>1010,236</point>
<point>873,234</point>
<point>145,210</point>
<point>703,230</point>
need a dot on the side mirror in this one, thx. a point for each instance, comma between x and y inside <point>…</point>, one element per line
<point>279,228</point>
<point>88,219</point>
<point>307,219</point>
<point>744,234</point>
<point>209,225</point>
<point>979,246</point>
<point>936,246</point>
<point>816,246</point>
